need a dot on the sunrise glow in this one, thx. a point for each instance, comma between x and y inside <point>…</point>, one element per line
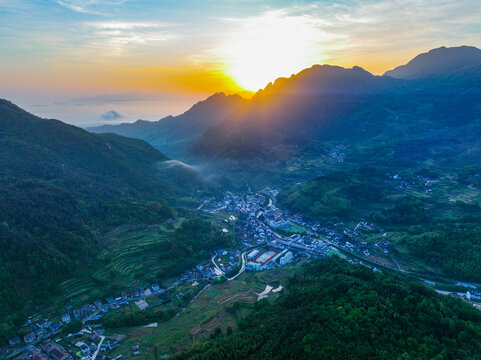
<point>269,47</point>
<point>166,55</point>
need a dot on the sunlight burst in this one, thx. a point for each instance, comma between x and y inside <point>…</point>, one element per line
<point>271,46</point>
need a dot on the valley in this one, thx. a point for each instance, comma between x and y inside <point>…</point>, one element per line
<point>125,302</point>
<point>338,207</point>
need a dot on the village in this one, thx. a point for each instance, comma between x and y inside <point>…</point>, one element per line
<point>267,237</point>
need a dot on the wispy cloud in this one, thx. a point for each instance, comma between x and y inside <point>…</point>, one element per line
<point>340,31</point>
<point>113,38</point>
<point>95,7</point>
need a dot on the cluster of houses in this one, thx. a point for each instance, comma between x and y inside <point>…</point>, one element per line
<point>43,330</point>
<point>98,308</point>
<point>257,230</point>
<point>337,153</point>
<point>47,350</point>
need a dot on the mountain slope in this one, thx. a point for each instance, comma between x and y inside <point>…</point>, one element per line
<point>175,135</point>
<point>58,185</point>
<point>332,310</point>
<point>440,61</point>
<point>328,103</point>
<point>306,106</point>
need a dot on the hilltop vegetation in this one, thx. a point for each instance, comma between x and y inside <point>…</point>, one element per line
<point>453,245</point>
<point>336,194</point>
<point>332,309</point>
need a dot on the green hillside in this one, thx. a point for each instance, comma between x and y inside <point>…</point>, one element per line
<point>59,185</point>
<point>336,311</point>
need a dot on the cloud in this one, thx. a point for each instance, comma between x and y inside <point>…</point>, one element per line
<point>114,38</point>
<point>355,32</point>
<point>111,115</point>
<point>95,7</point>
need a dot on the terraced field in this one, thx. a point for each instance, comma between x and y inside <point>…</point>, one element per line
<point>128,257</point>
<point>208,311</point>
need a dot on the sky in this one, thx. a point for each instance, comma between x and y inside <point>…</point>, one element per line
<point>108,61</point>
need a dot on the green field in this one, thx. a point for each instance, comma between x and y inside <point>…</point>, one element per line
<point>131,256</point>
<point>205,313</point>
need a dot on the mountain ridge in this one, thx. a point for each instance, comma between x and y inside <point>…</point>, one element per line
<point>329,102</point>
<point>438,61</point>
<point>175,134</point>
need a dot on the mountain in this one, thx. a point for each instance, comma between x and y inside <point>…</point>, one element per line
<point>330,103</point>
<point>59,185</point>
<point>440,61</point>
<point>174,135</point>
<point>305,107</point>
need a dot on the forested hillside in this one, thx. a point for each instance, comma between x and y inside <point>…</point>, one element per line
<point>332,310</point>
<point>58,183</point>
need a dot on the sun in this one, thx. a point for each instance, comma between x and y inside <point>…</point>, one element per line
<point>269,47</point>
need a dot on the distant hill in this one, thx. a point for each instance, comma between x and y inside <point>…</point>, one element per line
<point>174,135</point>
<point>440,61</point>
<point>59,184</point>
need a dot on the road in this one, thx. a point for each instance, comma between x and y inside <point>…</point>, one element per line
<point>215,265</point>
<point>242,269</point>
<point>102,338</point>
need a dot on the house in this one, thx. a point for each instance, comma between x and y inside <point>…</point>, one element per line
<point>55,327</point>
<point>155,287</point>
<point>57,353</point>
<point>30,338</point>
<point>473,295</point>
<point>66,318</point>
<point>77,314</point>
<point>54,351</point>
<point>39,356</point>
<point>32,353</point>
<point>137,292</point>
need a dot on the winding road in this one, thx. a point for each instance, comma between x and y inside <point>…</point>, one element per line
<point>242,269</point>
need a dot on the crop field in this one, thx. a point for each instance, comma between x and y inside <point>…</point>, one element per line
<point>208,311</point>
<point>127,257</point>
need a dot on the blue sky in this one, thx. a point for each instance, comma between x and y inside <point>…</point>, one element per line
<point>152,58</point>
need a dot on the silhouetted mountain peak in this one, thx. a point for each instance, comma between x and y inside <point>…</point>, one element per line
<point>327,79</point>
<point>215,100</point>
<point>440,61</point>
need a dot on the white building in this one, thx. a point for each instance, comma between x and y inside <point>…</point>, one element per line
<point>286,258</point>
<point>253,254</point>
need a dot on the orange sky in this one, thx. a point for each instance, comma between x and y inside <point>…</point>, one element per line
<point>176,53</point>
